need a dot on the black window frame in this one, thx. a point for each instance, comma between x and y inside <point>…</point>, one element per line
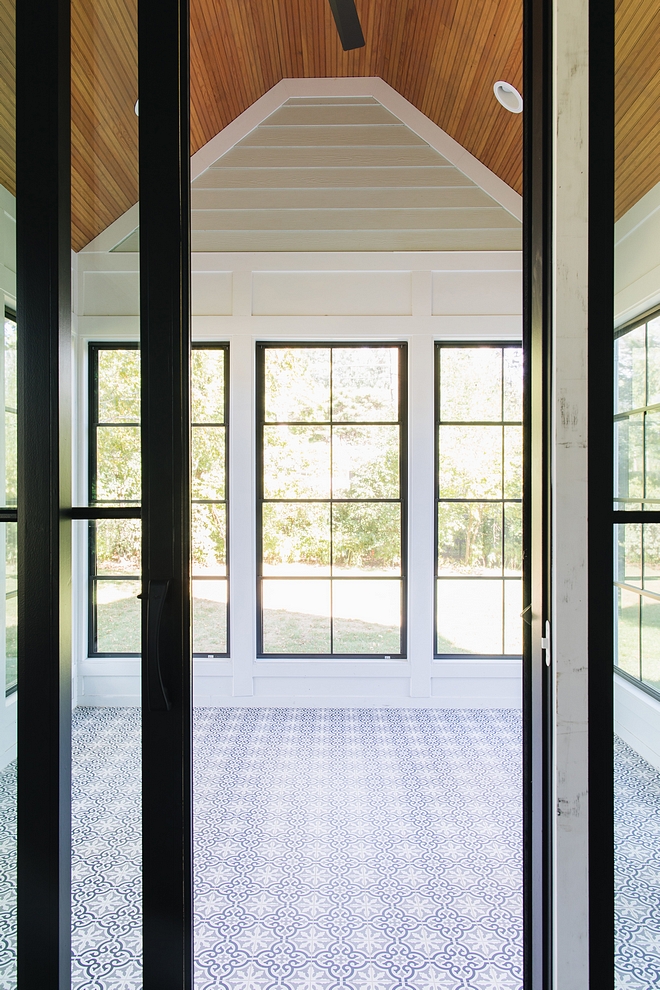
<point>402,423</point>
<point>10,314</point>
<point>650,507</point>
<point>94,347</point>
<point>439,346</point>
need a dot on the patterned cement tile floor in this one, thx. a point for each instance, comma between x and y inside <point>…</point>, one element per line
<point>334,850</point>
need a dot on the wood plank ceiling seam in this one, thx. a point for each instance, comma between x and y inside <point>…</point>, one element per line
<point>443,56</point>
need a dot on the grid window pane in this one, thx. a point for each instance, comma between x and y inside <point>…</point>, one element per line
<point>366,617</point>
<point>365,461</point>
<point>366,537</point>
<point>469,538</point>
<point>629,555</point>
<point>208,385</point>
<point>119,471</point>
<point>208,462</point>
<point>630,358</point>
<point>652,452</point>
<point>330,503</point>
<point>513,605</point>
<point>628,630</point>
<point>650,628</point>
<point>297,385</point>
<point>296,538</point>
<point>118,617</point>
<point>653,361</point>
<point>629,453</point>
<point>118,546</point>
<point>469,616</point>
<point>479,500</point>
<point>470,462</point>
<point>296,462</point>
<point>651,553</point>
<point>118,385</point>
<point>209,539</point>
<point>296,617</point>
<point>11,412</point>
<point>470,384</point>
<point>209,617</point>
<point>365,384</point>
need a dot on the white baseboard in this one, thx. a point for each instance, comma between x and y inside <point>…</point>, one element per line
<point>637,720</point>
<point>468,683</point>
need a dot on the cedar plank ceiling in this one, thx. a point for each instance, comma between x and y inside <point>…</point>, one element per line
<point>442,55</point>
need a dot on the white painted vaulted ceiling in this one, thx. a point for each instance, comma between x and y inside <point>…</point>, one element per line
<point>340,173</point>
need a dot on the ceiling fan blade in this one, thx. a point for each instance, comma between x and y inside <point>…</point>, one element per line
<point>348,24</point>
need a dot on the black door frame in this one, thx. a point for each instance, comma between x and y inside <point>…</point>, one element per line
<point>43,264</point>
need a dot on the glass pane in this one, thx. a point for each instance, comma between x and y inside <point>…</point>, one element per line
<point>11,411</point>
<point>118,546</point>
<point>513,383</point>
<point>118,616</point>
<point>513,462</point>
<point>208,385</point>
<point>512,619</point>
<point>469,616</point>
<point>208,462</point>
<point>118,464</point>
<point>629,457</point>
<point>365,384</point>
<point>296,617</point>
<point>513,539</point>
<point>650,642</point>
<point>297,384</point>
<point>653,361</point>
<point>630,363</point>
<point>627,638</point>
<point>470,384</point>
<point>366,617</point>
<point>651,557</point>
<point>652,445</point>
<point>209,539</point>
<point>470,462</point>
<point>209,616</point>
<point>629,557</point>
<point>365,461</point>
<point>118,386</point>
<point>469,538</point>
<point>10,598</point>
<point>296,461</point>
<point>366,538</point>
<point>296,538</point>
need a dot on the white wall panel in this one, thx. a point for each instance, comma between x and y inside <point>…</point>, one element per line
<point>637,258</point>
<point>477,293</point>
<point>637,720</point>
<point>111,293</point>
<point>212,293</point>
<point>332,293</point>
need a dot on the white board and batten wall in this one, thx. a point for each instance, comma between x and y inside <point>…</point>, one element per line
<point>417,298</point>
<point>381,157</point>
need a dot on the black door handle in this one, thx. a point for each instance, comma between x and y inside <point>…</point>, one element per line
<point>157,696</point>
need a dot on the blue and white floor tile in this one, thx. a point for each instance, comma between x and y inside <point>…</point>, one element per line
<point>334,850</point>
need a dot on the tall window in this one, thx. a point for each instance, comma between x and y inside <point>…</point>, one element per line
<point>478,499</point>
<point>114,480</point>
<point>331,506</point>
<point>637,488</point>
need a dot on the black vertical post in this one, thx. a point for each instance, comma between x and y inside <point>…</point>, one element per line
<point>600,370</point>
<point>43,259</point>
<point>537,337</point>
<point>164,163</point>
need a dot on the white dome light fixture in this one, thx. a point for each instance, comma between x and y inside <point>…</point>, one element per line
<point>508,96</point>
<point>137,108</point>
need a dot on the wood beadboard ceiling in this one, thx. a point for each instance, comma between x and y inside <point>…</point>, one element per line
<point>441,55</point>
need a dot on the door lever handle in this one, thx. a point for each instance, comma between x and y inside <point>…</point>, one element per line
<point>157,696</point>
